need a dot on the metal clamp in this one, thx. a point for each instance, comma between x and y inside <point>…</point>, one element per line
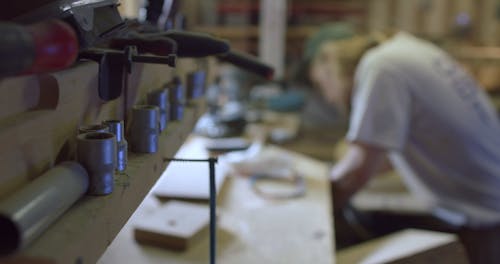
<point>115,65</point>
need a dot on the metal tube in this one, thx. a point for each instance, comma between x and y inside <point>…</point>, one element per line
<point>177,99</point>
<point>116,127</point>
<point>144,129</point>
<point>195,87</point>
<point>28,212</point>
<point>160,98</point>
<point>96,151</point>
<point>93,128</point>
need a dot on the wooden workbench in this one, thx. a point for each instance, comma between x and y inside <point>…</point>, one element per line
<point>250,229</point>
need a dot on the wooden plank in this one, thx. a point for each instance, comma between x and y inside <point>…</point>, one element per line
<point>378,16</point>
<point>38,122</point>
<point>435,21</point>
<point>406,15</point>
<point>272,32</point>
<point>489,23</point>
<point>174,226</point>
<point>252,32</point>
<point>407,246</point>
<point>34,137</point>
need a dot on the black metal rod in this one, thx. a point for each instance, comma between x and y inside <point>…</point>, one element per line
<point>212,201</point>
<point>213,218</point>
<point>170,60</point>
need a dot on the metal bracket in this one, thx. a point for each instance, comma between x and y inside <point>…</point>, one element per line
<point>115,65</point>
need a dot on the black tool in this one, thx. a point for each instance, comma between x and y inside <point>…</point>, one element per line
<point>94,21</point>
<point>194,44</point>
<point>161,46</point>
<point>248,62</point>
<point>45,46</point>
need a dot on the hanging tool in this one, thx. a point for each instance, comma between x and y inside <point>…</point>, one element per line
<point>188,44</point>
<point>248,62</point>
<point>94,21</point>
<point>46,46</point>
<point>199,45</point>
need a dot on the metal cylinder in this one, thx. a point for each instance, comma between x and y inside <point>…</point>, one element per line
<point>144,129</point>
<point>195,87</point>
<point>96,151</point>
<point>176,111</point>
<point>116,127</point>
<point>28,212</point>
<point>176,91</point>
<point>93,128</point>
<point>177,99</point>
<point>160,98</point>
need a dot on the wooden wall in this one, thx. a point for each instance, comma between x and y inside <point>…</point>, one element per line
<point>437,18</point>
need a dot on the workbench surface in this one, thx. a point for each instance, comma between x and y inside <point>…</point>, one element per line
<point>250,229</point>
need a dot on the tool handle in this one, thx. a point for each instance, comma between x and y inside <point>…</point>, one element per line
<point>195,44</point>
<point>46,46</point>
<point>248,62</point>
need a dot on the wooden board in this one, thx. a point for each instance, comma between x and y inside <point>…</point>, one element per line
<point>39,115</point>
<point>174,226</point>
<point>407,246</point>
<point>189,181</point>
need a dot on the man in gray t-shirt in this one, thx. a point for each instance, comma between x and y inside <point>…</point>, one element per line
<point>410,102</point>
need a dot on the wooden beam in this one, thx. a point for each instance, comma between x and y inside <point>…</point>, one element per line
<point>272,34</point>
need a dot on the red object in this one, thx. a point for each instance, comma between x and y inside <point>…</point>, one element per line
<point>56,46</point>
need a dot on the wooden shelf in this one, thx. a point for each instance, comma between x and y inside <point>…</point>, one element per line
<point>245,32</point>
<point>39,117</point>
<point>86,230</point>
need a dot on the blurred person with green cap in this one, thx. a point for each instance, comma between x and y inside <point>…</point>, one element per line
<point>410,102</point>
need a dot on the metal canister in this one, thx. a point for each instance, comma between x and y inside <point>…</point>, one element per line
<point>177,99</point>
<point>144,129</point>
<point>93,128</point>
<point>160,99</point>
<point>116,127</point>
<point>96,151</point>
<point>195,87</point>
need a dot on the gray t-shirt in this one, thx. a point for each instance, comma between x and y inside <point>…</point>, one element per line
<point>441,131</point>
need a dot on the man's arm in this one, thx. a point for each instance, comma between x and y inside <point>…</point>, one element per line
<point>356,167</point>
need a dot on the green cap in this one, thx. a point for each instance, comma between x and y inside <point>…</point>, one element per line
<point>328,32</point>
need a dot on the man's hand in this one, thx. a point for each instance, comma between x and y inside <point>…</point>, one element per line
<point>357,166</point>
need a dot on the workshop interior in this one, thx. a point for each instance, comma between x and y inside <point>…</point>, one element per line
<point>201,131</point>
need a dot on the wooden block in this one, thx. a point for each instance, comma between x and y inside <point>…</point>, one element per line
<point>174,226</point>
